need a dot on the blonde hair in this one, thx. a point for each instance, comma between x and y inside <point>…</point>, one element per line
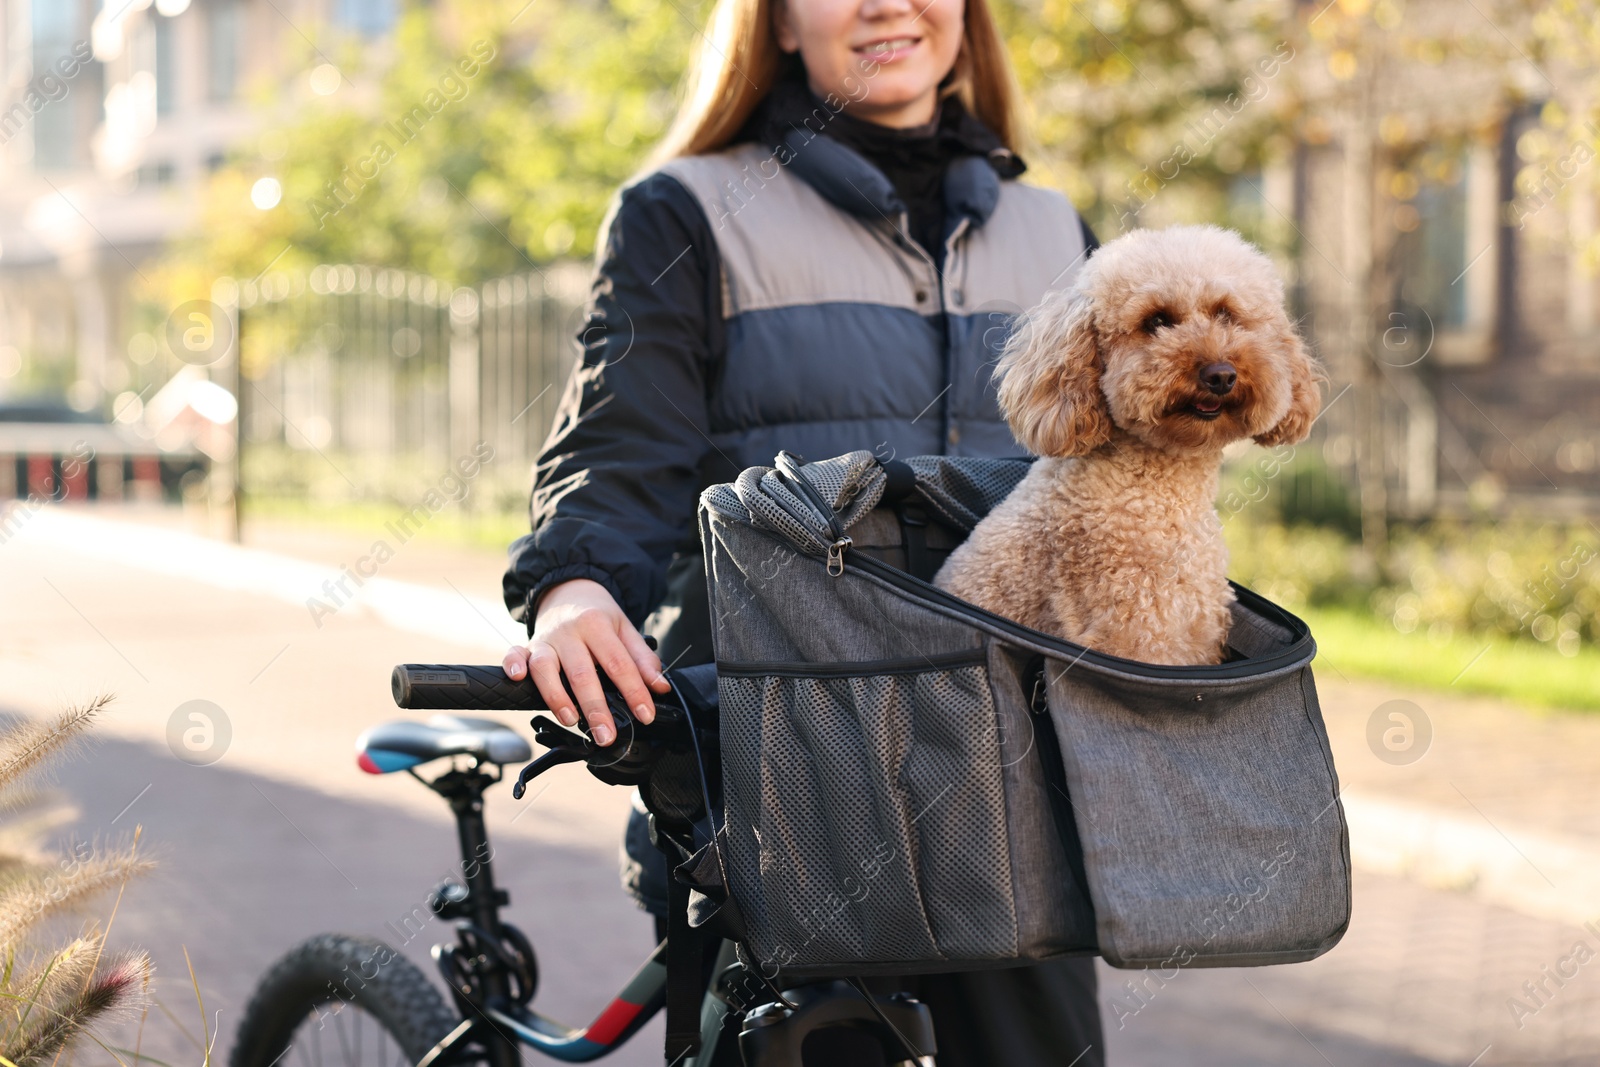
<point>739,61</point>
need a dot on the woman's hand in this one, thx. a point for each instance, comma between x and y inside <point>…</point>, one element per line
<point>577,624</point>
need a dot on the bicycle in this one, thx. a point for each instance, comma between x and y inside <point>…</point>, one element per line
<point>318,1003</point>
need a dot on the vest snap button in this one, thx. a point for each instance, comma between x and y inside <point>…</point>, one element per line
<point>922,295</point>
<point>954,435</point>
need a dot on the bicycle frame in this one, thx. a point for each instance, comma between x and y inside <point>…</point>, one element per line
<point>481,978</point>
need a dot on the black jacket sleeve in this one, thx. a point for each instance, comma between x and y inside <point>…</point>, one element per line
<point>1090,241</point>
<point>616,483</point>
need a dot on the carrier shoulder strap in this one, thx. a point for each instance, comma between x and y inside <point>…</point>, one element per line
<point>685,975</point>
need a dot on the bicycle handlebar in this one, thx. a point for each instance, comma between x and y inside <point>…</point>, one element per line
<point>462,687</point>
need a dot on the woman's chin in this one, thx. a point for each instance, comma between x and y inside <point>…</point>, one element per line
<point>898,99</point>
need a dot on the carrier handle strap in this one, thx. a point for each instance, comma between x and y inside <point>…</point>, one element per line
<point>914,535</point>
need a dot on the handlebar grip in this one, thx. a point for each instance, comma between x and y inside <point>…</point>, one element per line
<point>462,687</point>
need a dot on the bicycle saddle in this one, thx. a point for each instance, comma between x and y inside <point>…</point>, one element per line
<point>396,746</point>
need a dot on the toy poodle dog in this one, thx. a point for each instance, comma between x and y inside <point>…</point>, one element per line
<point>1170,345</point>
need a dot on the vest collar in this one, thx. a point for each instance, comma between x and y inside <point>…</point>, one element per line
<point>971,189</point>
<point>847,180</point>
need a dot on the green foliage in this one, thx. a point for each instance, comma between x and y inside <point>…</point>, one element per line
<point>1299,566</point>
<point>486,138</point>
<point>1510,609</point>
<point>1354,644</point>
<point>1530,582</point>
<point>1560,153</point>
<point>1291,485</point>
<point>1140,102</point>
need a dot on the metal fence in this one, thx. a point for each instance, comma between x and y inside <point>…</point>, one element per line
<point>370,383</point>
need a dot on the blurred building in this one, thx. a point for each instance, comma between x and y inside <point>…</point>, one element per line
<point>1444,262</point>
<point>111,114</point>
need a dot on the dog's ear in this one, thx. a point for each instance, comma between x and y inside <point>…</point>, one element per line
<point>1049,377</point>
<point>1305,403</point>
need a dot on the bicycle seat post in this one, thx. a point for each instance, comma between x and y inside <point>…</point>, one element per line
<point>464,790</point>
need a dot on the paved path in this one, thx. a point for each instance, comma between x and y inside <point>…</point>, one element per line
<point>282,837</point>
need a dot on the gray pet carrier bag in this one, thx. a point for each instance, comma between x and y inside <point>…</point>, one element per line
<point>912,783</point>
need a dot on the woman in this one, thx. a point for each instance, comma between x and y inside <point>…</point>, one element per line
<point>823,257</point>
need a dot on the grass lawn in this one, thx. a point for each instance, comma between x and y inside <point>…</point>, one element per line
<point>1521,671</point>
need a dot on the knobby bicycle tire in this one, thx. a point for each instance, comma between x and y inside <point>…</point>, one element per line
<point>336,967</point>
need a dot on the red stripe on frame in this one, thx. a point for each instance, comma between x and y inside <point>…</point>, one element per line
<point>615,1019</point>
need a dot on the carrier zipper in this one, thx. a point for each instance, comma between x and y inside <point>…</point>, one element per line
<point>836,556</point>
<point>1079,654</point>
<point>942,661</point>
<point>1055,774</point>
<point>801,487</point>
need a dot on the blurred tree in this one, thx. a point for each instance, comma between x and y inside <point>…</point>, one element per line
<point>1154,104</point>
<point>1560,157</point>
<point>484,138</point>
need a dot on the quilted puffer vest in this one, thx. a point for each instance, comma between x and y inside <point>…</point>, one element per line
<point>841,333</point>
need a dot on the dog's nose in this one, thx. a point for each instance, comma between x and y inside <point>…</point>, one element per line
<point>1218,377</point>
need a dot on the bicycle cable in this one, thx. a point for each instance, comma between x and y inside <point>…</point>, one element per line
<point>700,768</point>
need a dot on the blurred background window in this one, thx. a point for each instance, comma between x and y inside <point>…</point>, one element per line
<point>55,26</point>
<point>1434,252</point>
<point>166,67</point>
<point>222,24</point>
<point>370,17</point>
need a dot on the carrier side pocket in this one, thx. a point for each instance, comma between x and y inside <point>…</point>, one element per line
<point>866,816</point>
<point>1211,834</point>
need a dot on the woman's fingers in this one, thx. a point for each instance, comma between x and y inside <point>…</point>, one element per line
<point>622,667</point>
<point>515,662</point>
<point>581,636</point>
<point>545,667</point>
<point>585,683</point>
<point>648,663</point>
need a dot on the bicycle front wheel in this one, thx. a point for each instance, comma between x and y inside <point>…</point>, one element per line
<point>341,1001</point>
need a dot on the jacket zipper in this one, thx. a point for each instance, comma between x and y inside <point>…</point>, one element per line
<point>904,240</point>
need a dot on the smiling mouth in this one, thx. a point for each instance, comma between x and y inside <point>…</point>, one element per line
<point>1206,407</point>
<point>884,49</point>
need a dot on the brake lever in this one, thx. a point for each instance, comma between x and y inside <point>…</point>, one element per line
<point>568,746</point>
<point>564,747</point>
<point>552,734</point>
<point>554,758</point>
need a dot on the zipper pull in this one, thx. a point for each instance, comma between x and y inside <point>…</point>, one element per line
<point>1039,700</point>
<point>836,555</point>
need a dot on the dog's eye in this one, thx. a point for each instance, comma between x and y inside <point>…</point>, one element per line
<point>1223,314</point>
<point>1154,321</point>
